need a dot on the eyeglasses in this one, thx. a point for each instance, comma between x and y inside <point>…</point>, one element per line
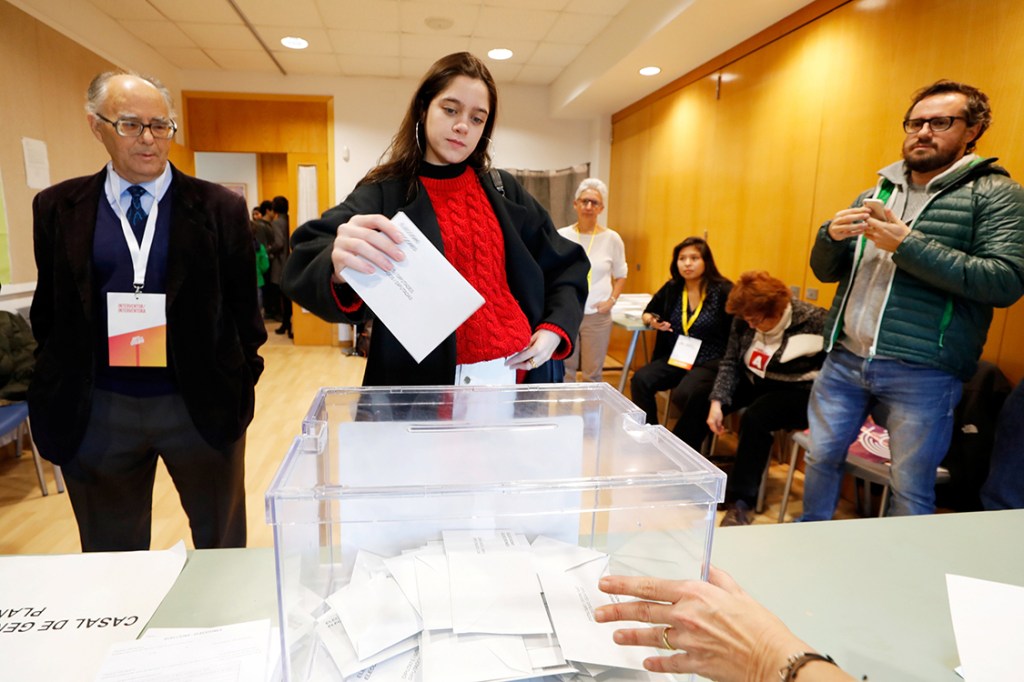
<point>126,127</point>
<point>937,124</point>
<point>589,202</point>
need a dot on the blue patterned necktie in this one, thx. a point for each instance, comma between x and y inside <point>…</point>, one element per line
<point>136,216</point>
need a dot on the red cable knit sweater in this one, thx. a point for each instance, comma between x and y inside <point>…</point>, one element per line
<point>474,245</point>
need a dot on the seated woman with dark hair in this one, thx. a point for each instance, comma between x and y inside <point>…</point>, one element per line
<point>693,328</point>
<point>775,351</point>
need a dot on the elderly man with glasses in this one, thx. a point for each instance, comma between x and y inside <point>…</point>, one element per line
<point>148,327</point>
<point>919,276</point>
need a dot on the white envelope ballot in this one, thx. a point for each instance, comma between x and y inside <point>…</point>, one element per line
<point>367,565</point>
<point>375,615</point>
<point>423,299</point>
<point>434,590</point>
<point>334,638</point>
<point>494,586</point>
<point>402,668</point>
<point>572,597</point>
<point>543,651</point>
<point>666,554</point>
<point>403,570</point>
<point>550,554</point>
<point>448,657</point>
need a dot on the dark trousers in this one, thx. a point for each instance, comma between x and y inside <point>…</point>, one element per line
<point>770,406</point>
<point>110,480</point>
<point>286,311</point>
<point>271,299</point>
<point>658,375</point>
<point>691,398</point>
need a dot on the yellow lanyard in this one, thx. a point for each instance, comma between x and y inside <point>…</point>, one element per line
<point>589,246</point>
<point>687,319</point>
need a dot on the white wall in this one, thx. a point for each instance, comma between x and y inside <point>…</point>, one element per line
<point>367,113</point>
<point>224,167</point>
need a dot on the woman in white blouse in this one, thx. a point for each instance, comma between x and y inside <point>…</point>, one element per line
<point>607,277</point>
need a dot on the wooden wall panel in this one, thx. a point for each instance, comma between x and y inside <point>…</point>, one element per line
<point>43,98</point>
<point>219,123</point>
<point>681,135</point>
<point>805,126</point>
<point>272,175</point>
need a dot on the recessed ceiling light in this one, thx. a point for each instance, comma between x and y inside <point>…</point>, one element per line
<point>295,43</point>
<point>500,53</point>
<point>650,71</point>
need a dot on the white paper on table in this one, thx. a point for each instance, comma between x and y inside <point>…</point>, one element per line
<point>448,657</point>
<point>232,652</point>
<point>571,597</point>
<point>402,668</point>
<point>273,645</point>
<point>110,599</point>
<point>375,614</point>
<point>334,638</point>
<point>494,586</point>
<point>987,625</point>
<point>423,299</point>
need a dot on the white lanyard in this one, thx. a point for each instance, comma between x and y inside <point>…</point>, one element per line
<point>140,253</point>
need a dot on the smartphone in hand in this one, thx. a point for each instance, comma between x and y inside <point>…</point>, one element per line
<point>877,208</point>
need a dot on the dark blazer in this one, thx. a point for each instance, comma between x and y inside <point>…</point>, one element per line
<point>213,321</point>
<point>547,274</point>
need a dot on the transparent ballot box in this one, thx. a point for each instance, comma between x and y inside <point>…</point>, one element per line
<point>458,533</point>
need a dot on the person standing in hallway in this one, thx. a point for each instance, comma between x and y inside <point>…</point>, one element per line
<point>607,277</point>
<point>918,278</point>
<point>281,234</point>
<point>148,330</point>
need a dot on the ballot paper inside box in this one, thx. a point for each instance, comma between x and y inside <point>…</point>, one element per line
<point>388,483</point>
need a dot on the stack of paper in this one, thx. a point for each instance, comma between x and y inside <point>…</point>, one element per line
<point>631,306</point>
<point>478,606</point>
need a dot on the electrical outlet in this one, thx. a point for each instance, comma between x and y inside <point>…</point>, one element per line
<point>796,292</point>
<point>812,294</point>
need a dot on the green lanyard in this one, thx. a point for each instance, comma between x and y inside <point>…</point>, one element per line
<point>688,320</point>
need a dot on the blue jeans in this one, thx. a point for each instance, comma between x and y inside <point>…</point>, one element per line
<point>918,402</point>
<point>1004,488</point>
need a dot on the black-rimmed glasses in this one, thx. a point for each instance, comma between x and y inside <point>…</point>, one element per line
<point>937,124</point>
<point>127,127</point>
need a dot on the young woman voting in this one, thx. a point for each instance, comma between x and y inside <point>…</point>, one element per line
<point>500,239</point>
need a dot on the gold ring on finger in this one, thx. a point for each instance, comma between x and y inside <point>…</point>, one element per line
<point>533,363</point>
<point>664,638</point>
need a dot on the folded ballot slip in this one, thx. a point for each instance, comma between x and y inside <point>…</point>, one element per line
<point>423,299</point>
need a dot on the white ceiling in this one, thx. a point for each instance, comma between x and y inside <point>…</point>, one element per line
<point>587,52</point>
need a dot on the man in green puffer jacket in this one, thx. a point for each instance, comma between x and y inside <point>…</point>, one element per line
<point>917,285</point>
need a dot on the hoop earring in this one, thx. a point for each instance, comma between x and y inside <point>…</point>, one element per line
<point>418,145</point>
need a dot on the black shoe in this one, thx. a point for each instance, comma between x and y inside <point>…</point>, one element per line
<point>290,334</point>
<point>738,515</point>
<point>283,329</point>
